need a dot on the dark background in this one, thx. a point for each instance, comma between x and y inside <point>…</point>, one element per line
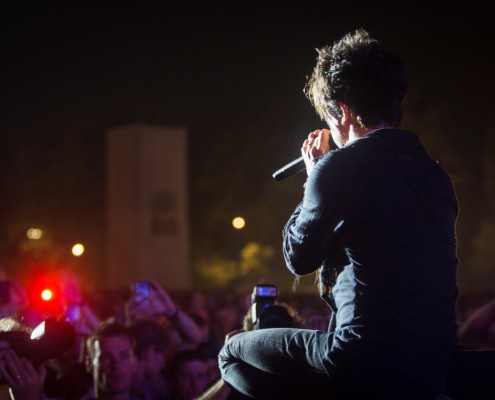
<point>233,77</point>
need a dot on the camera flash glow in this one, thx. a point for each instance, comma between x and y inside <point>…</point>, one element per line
<point>38,331</point>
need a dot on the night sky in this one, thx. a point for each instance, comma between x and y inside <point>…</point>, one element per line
<point>234,78</point>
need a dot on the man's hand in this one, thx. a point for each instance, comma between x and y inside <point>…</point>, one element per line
<point>233,333</point>
<point>23,380</point>
<point>316,145</point>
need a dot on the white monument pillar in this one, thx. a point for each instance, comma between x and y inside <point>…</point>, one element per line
<point>147,206</point>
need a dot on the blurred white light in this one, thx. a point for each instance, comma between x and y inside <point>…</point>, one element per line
<point>77,249</point>
<point>238,222</point>
<point>38,331</point>
<point>34,233</point>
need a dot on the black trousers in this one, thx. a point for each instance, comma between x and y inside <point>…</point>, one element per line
<point>471,375</point>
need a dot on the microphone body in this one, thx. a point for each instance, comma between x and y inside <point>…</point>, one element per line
<point>290,169</point>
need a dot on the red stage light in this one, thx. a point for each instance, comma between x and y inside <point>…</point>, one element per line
<point>47,294</point>
<point>44,292</point>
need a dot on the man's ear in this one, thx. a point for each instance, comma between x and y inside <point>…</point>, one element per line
<point>346,113</point>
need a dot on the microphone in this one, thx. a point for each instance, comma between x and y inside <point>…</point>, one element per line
<point>290,169</point>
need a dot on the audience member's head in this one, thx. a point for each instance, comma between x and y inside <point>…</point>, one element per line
<point>189,374</point>
<point>210,353</point>
<point>152,347</point>
<point>111,359</point>
<point>13,298</point>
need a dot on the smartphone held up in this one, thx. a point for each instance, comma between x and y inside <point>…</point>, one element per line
<point>141,290</point>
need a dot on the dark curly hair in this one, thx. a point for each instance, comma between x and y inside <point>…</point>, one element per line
<point>359,72</point>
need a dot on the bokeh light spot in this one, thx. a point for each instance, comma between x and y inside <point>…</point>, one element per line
<point>47,294</point>
<point>34,233</point>
<point>238,222</point>
<point>77,249</point>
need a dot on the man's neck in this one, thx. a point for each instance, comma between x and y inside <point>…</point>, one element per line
<point>355,132</point>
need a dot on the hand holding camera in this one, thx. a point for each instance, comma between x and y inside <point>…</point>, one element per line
<point>148,299</point>
<point>82,318</point>
<point>23,379</point>
<point>23,354</point>
<point>263,296</point>
<point>267,312</point>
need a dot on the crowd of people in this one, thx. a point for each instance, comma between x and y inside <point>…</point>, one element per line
<point>126,346</point>
<point>162,346</point>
